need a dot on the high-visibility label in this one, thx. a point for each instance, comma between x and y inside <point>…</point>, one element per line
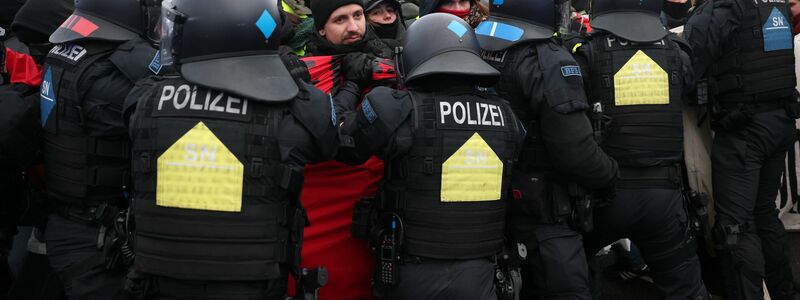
<point>777,32</point>
<point>641,81</point>
<point>47,96</point>
<point>199,172</point>
<point>473,173</point>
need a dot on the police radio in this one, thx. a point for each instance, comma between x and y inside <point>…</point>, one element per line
<point>388,256</point>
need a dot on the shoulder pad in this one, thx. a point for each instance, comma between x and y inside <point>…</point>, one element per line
<point>563,79</point>
<point>387,106</point>
<point>314,109</point>
<point>136,59</point>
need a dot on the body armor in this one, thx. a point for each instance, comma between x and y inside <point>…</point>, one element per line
<point>81,169</point>
<point>450,187</point>
<point>638,86</point>
<point>214,198</point>
<point>757,62</point>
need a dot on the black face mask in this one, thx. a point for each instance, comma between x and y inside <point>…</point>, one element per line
<point>386,31</point>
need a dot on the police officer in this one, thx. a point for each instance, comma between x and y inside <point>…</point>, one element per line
<point>560,162</point>
<point>101,50</point>
<point>218,154</point>
<point>449,149</point>
<point>639,78</point>
<point>743,52</point>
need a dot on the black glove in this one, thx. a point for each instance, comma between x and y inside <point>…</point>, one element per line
<point>297,68</point>
<point>357,67</point>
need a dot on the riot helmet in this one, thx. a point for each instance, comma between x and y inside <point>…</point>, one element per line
<point>633,20</point>
<point>231,47</point>
<point>109,20</point>
<point>442,43</point>
<point>514,21</point>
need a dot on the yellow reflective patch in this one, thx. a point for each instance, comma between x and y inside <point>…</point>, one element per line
<point>641,81</point>
<point>473,173</point>
<point>199,172</point>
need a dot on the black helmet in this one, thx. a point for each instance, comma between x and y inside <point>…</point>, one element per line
<point>442,43</point>
<point>231,47</point>
<point>633,20</point>
<point>110,20</point>
<point>514,21</point>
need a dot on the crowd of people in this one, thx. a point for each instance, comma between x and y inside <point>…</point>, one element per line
<point>397,149</point>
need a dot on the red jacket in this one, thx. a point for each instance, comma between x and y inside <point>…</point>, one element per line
<point>22,69</point>
<point>329,192</point>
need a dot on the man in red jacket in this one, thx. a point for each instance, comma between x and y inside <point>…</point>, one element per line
<point>332,188</point>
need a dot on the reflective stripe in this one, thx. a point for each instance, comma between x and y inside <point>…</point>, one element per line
<point>500,30</point>
<point>575,48</point>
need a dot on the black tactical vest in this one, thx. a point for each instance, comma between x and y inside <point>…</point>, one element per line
<point>450,187</point>
<point>757,62</point>
<point>640,88</point>
<point>81,169</point>
<point>214,199</point>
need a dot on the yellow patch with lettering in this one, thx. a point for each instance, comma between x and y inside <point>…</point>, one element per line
<point>473,173</point>
<point>199,172</point>
<point>641,81</point>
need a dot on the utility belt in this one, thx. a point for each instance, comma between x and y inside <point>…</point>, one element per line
<point>543,200</point>
<point>140,285</point>
<point>114,235</point>
<point>735,115</point>
<point>659,177</point>
<point>384,231</point>
<point>102,214</point>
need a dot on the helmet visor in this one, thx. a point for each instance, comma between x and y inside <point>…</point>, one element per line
<point>151,10</point>
<point>170,33</point>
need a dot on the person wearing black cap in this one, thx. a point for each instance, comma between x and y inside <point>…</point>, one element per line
<point>386,18</point>
<point>342,30</point>
<point>743,55</point>
<point>639,77</point>
<point>560,161</point>
<point>101,50</point>
<point>218,160</point>
<point>449,149</point>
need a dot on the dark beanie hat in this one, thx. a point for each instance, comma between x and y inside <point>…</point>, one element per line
<point>321,10</point>
<point>41,17</point>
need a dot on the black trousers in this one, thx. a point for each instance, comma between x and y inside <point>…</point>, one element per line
<point>442,279</point>
<point>747,165</point>
<point>73,254</point>
<point>655,219</point>
<point>556,265</point>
